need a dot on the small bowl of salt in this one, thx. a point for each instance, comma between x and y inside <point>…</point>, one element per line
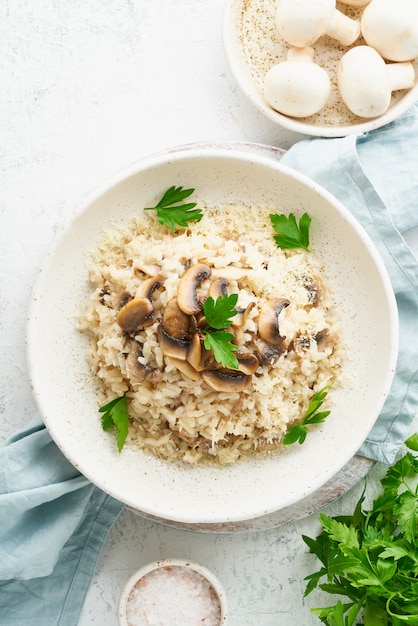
<point>173,592</point>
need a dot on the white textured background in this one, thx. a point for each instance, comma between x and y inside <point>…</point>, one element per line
<point>86,88</point>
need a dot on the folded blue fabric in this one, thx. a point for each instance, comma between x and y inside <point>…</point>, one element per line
<point>53,523</point>
<point>375,176</point>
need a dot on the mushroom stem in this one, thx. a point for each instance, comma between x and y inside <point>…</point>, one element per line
<point>400,75</point>
<point>343,28</point>
<point>305,54</point>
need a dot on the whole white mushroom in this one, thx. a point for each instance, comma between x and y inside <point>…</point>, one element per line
<point>391,27</point>
<point>302,22</point>
<point>297,87</point>
<point>366,82</point>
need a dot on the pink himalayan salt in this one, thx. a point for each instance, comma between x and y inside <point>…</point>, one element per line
<point>173,596</point>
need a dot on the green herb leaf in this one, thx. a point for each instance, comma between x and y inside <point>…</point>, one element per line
<point>218,314</point>
<point>115,413</point>
<point>223,348</point>
<point>172,213</point>
<point>412,442</point>
<point>371,557</point>
<point>290,234</point>
<point>299,432</point>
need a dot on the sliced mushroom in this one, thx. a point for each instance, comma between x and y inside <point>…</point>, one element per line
<point>175,322</point>
<point>186,368</point>
<point>123,299</point>
<point>194,352</point>
<point>219,287</point>
<point>148,286</point>
<point>170,346</point>
<point>247,362</point>
<point>135,371</point>
<point>242,315</point>
<point>300,344</point>
<point>268,320</point>
<point>226,380</point>
<point>135,313</point>
<point>187,292</point>
<point>267,353</point>
<point>321,335</point>
<point>199,357</point>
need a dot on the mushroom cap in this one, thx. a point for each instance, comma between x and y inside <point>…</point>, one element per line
<point>363,82</point>
<point>267,354</point>
<point>226,380</point>
<point>247,362</point>
<point>219,287</point>
<point>187,291</point>
<point>297,88</point>
<point>268,320</point>
<point>170,346</point>
<point>148,286</point>
<point>302,22</point>
<point>135,313</point>
<point>186,369</point>
<point>175,322</point>
<point>392,28</point>
<point>135,371</point>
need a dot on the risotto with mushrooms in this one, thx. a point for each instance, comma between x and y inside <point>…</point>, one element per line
<point>145,322</point>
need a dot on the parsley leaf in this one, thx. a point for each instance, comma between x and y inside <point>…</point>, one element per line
<point>218,315</point>
<point>115,413</point>
<point>218,312</point>
<point>371,557</point>
<point>312,416</point>
<point>171,210</point>
<point>290,234</point>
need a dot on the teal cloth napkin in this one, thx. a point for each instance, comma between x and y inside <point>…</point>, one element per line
<point>375,175</point>
<point>53,523</point>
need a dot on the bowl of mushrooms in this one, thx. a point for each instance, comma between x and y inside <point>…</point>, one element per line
<point>321,67</point>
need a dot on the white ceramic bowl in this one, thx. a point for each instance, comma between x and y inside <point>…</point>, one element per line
<point>63,385</point>
<point>252,45</point>
<point>176,575</point>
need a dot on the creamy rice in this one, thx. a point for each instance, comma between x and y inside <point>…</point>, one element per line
<point>171,415</point>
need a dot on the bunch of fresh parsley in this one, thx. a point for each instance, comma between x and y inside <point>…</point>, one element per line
<point>370,558</point>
